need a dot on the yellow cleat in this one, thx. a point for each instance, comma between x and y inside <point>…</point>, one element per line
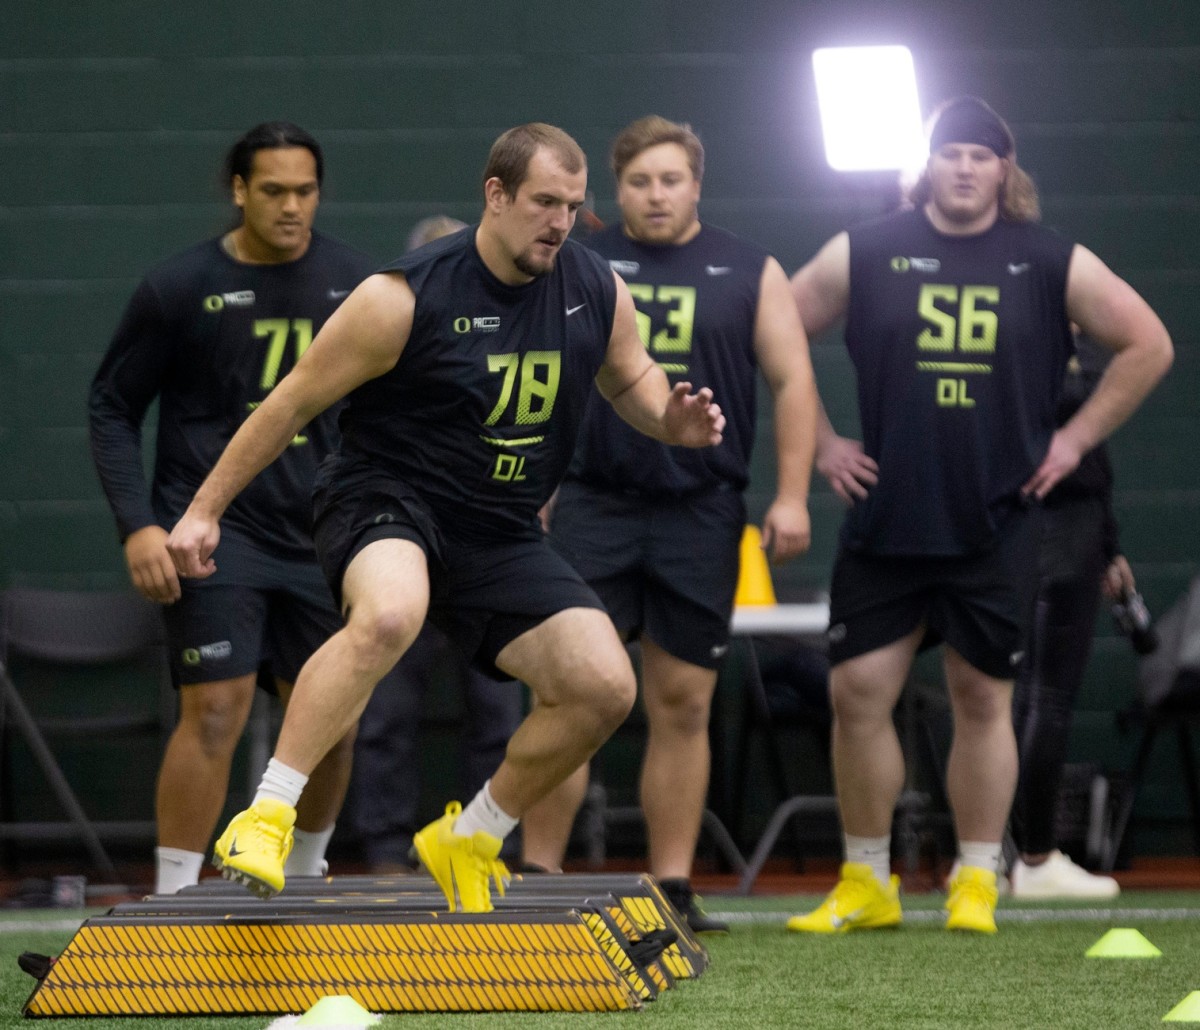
<point>461,865</point>
<point>972,901</point>
<point>255,845</point>
<point>858,902</point>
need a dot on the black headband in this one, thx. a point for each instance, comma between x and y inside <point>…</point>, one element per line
<point>970,120</point>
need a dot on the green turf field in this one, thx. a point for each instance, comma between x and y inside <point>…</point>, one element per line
<point>1032,974</point>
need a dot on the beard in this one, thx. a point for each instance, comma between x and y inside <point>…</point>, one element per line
<point>527,265</point>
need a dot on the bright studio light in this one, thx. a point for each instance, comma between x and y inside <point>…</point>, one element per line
<point>870,114</point>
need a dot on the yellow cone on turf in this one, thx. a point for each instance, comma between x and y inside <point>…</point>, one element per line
<point>1122,944</point>
<point>1187,1011</point>
<point>754,586</point>
<point>337,1010</point>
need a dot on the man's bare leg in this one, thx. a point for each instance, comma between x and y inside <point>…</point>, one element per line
<point>386,592</point>
<point>193,779</point>
<point>868,767</point>
<point>546,827</point>
<point>674,786</point>
<point>319,805</point>
<point>584,687</point>
<point>868,764</point>
<point>981,774</point>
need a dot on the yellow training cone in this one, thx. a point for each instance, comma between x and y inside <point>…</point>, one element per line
<point>754,577</point>
<point>337,1010</point>
<point>1187,1011</point>
<point>1122,944</point>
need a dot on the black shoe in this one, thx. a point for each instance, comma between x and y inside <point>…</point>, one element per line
<point>680,894</point>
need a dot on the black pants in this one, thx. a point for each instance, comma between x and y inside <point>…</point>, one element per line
<point>1071,566</point>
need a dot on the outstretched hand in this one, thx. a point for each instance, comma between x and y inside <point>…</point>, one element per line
<point>191,545</point>
<point>693,419</point>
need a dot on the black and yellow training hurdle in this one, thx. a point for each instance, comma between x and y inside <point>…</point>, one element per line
<point>554,943</point>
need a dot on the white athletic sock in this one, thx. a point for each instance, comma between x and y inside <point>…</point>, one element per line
<point>308,853</point>
<point>484,814</point>
<point>981,854</point>
<point>282,783</point>
<point>873,851</point>
<point>175,869</point>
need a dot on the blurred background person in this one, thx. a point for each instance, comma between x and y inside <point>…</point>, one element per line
<point>655,530</point>
<point>209,332</point>
<point>1078,560</point>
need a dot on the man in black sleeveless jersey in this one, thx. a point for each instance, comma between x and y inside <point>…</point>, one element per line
<point>958,319</point>
<point>467,365</point>
<point>633,514</point>
<point>386,747</point>
<point>210,332</point>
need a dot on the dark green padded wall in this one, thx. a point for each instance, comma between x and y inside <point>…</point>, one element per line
<point>115,116</point>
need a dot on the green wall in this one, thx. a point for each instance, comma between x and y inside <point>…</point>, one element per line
<point>115,115</point>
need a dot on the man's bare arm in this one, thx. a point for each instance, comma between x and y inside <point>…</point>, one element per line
<point>822,287</point>
<point>1109,310</point>
<point>638,390</point>
<point>781,349</point>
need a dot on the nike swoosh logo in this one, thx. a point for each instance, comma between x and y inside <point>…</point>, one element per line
<point>837,922</point>
<point>717,269</point>
<point>338,294</point>
<point>577,307</point>
<point>1018,269</point>
<point>233,848</point>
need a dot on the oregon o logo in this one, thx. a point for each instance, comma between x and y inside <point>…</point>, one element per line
<point>214,303</point>
<point>899,264</point>
<point>191,656</point>
<point>462,325</point>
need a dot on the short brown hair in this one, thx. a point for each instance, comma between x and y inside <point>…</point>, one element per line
<point>510,155</point>
<point>650,132</point>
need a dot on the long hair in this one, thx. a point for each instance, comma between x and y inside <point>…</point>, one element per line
<point>1018,194</point>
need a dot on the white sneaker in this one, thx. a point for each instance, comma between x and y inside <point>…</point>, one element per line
<point>1059,877</point>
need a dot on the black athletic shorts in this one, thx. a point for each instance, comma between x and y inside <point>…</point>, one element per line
<point>255,613</point>
<point>483,593</point>
<point>666,567</point>
<point>981,605</point>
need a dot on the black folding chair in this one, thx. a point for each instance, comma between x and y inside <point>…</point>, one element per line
<point>52,640</point>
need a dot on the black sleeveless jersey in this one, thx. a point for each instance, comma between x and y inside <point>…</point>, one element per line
<point>481,413</point>
<point>696,308</point>
<point>960,344</point>
<point>210,336</point>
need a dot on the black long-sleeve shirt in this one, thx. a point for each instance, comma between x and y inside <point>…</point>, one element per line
<point>209,337</point>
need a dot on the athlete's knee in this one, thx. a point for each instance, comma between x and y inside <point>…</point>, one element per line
<point>215,719</point>
<point>982,708</point>
<point>855,702</point>
<point>610,693</point>
<point>381,635</point>
<point>680,712</point>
